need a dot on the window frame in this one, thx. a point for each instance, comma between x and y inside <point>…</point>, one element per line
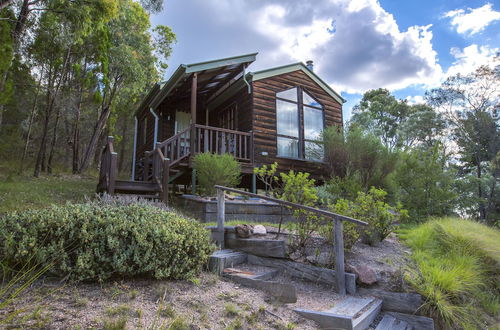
<point>300,113</point>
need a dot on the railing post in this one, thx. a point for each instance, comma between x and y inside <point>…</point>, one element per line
<point>205,140</point>
<point>339,257</point>
<point>192,140</point>
<point>221,214</point>
<point>112,173</point>
<point>165,179</point>
<point>251,147</point>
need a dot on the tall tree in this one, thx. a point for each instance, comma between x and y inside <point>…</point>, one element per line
<point>471,104</point>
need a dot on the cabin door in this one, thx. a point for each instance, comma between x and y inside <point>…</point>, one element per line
<point>182,122</point>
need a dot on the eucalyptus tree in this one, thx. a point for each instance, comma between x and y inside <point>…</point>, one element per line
<point>471,104</point>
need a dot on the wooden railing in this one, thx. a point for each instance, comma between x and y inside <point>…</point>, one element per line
<point>157,170</point>
<point>108,169</point>
<point>338,227</point>
<point>221,141</point>
<point>177,147</point>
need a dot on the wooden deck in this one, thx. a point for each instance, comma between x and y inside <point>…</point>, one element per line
<point>171,160</point>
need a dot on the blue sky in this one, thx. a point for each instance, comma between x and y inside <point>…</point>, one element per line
<point>405,46</point>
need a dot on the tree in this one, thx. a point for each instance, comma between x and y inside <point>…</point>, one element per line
<point>425,184</point>
<point>397,124</point>
<point>471,106</point>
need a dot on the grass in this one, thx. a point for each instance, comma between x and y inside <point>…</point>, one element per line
<point>458,270</point>
<point>23,192</point>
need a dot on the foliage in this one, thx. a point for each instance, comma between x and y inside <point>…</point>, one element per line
<point>267,176</point>
<point>336,188</point>
<point>397,123</point>
<point>425,184</point>
<point>372,208</point>
<point>357,154</point>
<point>298,188</point>
<point>470,104</point>
<point>212,169</point>
<point>94,241</point>
<point>457,270</point>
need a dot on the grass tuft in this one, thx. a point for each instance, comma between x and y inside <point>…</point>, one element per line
<point>458,269</point>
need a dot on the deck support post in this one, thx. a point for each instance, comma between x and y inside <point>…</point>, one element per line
<point>339,257</point>
<point>221,214</point>
<point>194,94</point>
<point>254,183</point>
<point>193,181</point>
<point>165,179</point>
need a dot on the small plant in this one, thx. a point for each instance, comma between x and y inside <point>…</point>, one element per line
<point>231,310</point>
<point>236,324</point>
<point>179,324</point>
<point>122,310</point>
<point>212,169</point>
<point>115,324</point>
<point>166,311</point>
<point>133,294</point>
<point>267,176</point>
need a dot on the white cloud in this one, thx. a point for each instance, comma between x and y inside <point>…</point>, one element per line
<point>470,58</point>
<point>415,99</point>
<point>473,21</point>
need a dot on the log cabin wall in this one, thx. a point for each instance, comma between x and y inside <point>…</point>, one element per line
<point>264,119</point>
<point>243,102</point>
<point>145,133</point>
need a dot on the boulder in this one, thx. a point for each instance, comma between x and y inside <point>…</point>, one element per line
<point>259,230</point>
<point>243,231</point>
<point>366,275</point>
<point>324,259</point>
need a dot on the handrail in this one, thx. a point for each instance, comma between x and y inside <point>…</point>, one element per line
<point>107,172</point>
<point>172,138</point>
<point>295,205</point>
<point>225,130</point>
<point>338,228</point>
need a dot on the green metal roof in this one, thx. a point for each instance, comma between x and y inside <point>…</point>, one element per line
<point>185,70</point>
<point>294,67</point>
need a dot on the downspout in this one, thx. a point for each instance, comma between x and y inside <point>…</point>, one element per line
<point>246,82</point>
<point>135,149</point>
<point>155,136</point>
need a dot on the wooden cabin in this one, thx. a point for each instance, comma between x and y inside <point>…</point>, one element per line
<point>218,106</point>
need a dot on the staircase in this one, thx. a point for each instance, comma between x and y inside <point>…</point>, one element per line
<point>170,160</point>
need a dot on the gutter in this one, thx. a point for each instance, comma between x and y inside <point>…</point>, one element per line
<point>135,148</point>
<point>246,82</point>
<point>155,136</point>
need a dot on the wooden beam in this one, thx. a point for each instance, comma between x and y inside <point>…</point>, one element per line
<point>339,257</point>
<point>194,92</point>
<point>221,214</point>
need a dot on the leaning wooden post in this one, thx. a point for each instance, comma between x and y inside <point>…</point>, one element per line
<point>221,214</point>
<point>112,173</point>
<point>339,257</point>
<point>165,179</point>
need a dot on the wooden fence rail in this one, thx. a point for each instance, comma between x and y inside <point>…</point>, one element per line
<point>337,218</point>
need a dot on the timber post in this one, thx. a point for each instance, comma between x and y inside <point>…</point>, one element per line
<point>193,181</point>
<point>165,179</point>
<point>339,256</point>
<point>221,214</point>
<point>194,94</point>
<point>254,183</point>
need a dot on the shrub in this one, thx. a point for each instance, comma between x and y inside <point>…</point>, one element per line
<point>213,169</point>
<point>372,208</point>
<point>457,270</point>
<point>94,241</point>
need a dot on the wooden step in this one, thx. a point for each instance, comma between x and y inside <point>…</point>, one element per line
<point>351,313</point>
<point>135,187</point>
<point>391,323</point>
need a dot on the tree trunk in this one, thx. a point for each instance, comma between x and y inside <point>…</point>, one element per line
<point>90,151</point>
<point>54,141</point>
<point>123,145</point>
<point>30,125</point>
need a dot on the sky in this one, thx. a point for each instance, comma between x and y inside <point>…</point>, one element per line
<point>406,46</point>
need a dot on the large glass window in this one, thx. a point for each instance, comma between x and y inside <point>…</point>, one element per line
<point>300,122</point>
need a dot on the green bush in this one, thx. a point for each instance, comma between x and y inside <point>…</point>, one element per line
<point>457,270</point>
<point>372,208</point>
<point>94,241</point>
<point>212,169</point>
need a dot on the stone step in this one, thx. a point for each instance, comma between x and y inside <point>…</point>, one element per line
<point>351,313</point>
<point>221,259</point>
<point>391,323</point>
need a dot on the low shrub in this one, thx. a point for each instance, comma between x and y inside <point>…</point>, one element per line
<point>95,241</point>
<point>372,208</point>
<point>458,267</point>
<point>212,169</point>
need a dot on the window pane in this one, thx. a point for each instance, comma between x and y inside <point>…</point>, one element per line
<point>314,150</point>
<point>313,123</point>
<point>288,147</point>
<point>287,117</point>
<point>310,101</point>
<point>289,94</point>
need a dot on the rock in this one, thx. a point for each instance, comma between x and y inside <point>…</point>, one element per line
<point>259,230</point>
<point>322,259</point>
<point>243,231</point>
<point>366,275</point>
